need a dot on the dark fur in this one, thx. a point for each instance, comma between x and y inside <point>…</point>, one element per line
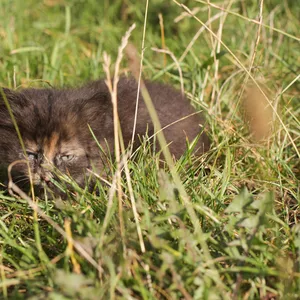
<point>53,121</point>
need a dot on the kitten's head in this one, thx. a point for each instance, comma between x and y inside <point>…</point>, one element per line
<point>54,128</point>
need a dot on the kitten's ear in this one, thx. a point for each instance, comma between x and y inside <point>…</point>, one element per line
<point>4,92</point>
<point>95,105</point>
<point>100,98</point>
<point>13,97</point>
<point>16,101</point>
<point>4,115</point>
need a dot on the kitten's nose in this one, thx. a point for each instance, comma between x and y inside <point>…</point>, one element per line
<point>46,178</point>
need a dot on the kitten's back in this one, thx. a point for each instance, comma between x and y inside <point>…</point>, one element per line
<point>175,113</point>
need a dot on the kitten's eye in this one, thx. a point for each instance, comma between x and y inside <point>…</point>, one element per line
<point>67,157</point>
<point>31,155</point>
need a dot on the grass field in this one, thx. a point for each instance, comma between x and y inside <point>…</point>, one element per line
<point>228,225</point>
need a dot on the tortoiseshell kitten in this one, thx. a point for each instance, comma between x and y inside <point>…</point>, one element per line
<point>54,125</point>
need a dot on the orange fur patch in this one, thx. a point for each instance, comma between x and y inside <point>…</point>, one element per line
<point>50,146</point>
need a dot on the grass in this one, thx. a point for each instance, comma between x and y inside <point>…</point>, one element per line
<point>242,239</point>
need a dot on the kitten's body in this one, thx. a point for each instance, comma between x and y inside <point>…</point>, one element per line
<point>54,126</point>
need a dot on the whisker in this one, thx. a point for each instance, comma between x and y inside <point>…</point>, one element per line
<point>20,177</point>
<point>21,180</point>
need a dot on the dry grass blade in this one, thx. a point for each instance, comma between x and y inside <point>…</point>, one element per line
<point>260,17</point>
<point>177,65</point>
<point>138,71</point>
<point>196,36</point>
<point>112,85</point>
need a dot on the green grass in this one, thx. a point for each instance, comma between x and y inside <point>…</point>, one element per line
<point>244,195</point>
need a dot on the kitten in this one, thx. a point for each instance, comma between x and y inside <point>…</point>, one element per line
<point>54,125</point>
